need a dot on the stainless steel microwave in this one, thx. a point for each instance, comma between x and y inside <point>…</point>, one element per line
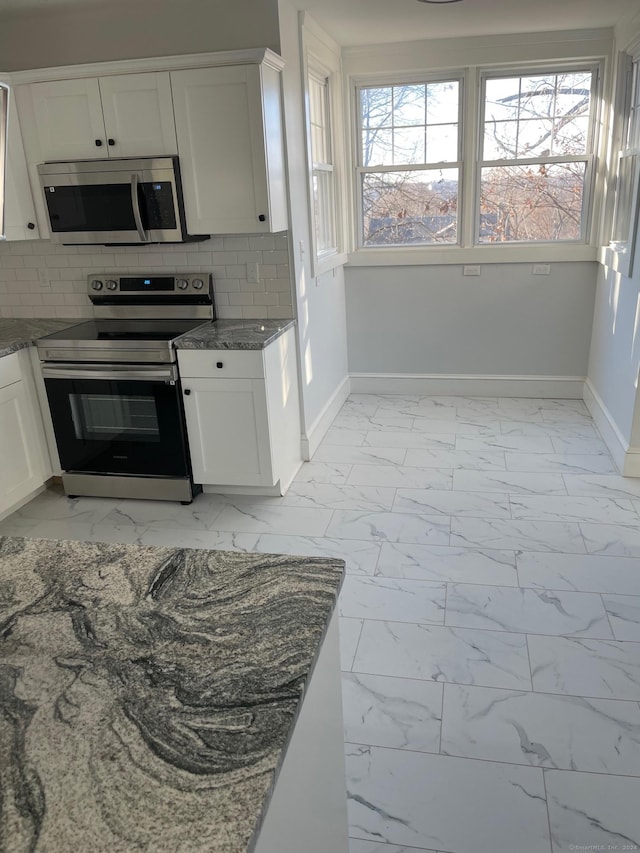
<point>123,201</point>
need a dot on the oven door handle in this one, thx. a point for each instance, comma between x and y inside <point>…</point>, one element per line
<point>161,374</point>
<point>135,204</point>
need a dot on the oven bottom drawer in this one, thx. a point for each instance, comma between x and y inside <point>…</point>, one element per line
<point>145,488</point>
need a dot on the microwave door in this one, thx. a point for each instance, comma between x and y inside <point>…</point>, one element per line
<point>159,197</point>
<point>96,208</point>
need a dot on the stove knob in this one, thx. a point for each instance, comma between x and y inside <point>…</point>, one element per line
<point>112,285</point>
<point>96,284</point>
<point>198,284</point>
<point>183,284</point>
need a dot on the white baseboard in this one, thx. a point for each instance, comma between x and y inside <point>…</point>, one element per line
<point>626,458</point>
<point>310,440</point>
<point>558,387</point>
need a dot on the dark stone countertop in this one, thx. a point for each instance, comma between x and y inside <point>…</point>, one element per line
<point>234,334</point>
<point>17,333</point>
<point>148,694</point>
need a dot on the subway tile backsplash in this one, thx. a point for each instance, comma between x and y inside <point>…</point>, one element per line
<point>22,294</point>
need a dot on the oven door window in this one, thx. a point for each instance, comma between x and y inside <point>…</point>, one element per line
<point>118,426</point>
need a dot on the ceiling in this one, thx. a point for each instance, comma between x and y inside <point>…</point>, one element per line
<point>354,22</point>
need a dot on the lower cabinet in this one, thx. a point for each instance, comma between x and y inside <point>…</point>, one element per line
<point>243,420</point>
<point>24,465</point>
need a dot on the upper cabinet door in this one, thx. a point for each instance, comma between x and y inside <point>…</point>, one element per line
<point>221,143</point>
<point>138,115</point>
<point>20,215</point>
<point>68,117</point>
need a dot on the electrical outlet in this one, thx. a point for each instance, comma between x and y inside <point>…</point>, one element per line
<point>253,273</point>
<point>43,278</point>
<point>541,269</point>
<point>471,269</point>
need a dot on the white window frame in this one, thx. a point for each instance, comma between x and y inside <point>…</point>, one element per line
<point>589,158</point>
<point>392,80</point>
<point>322,169</point>
<point>626,212</point>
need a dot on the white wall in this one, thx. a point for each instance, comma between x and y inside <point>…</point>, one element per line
<point>22,294</point>
<point>434,320</point>
<point>320,302</point>
<point>39,38</point>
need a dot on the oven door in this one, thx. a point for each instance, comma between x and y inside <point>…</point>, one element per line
<point>123,420</point>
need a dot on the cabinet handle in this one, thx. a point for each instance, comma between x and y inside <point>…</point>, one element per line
<point>99,142</point>
<point>31,225</point>
<point>187,391</point>
<point>111,141</point>
<point>219,364</point>
<point>262,217</point>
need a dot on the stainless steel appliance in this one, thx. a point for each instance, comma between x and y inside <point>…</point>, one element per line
<point>121,201</point>
<point>113,387</point>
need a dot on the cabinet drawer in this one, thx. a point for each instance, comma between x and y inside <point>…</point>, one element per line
<point>10,370</point>
<point>221,364</point>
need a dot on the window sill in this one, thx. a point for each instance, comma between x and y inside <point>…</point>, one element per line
<point>328,263</point>
<point>421,256</point>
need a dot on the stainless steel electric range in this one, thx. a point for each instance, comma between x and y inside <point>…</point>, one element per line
<point>113,387</point>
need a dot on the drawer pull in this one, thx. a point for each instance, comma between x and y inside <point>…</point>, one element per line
<point>187,391</point>
<point>219,364</point>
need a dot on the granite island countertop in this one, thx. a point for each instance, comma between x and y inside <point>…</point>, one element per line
<point>234,334</point>
<point>18,333</point>
<point>148,693</point>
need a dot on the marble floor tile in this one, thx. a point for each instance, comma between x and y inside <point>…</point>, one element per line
<point>489,460</point>
<point>216,539</point>
<point>200,515</point>
<point>541,729</point>
<point>527,406</point>
<point>589,811</point>
<point>444,563</point>
<point>399,476</point>
<point>410,439</point>
<point>602,485</point>
<point>433,653</point>
<point>357,846</point>
<point>262,518</point>
<point>558,416</point>
<point>454,503</point>
<point>564,463</point>
<point>617,540</point>
<point>459,426</point>
<point>408,798</point>
<point>344,437</point>
<point>360,557</point>
<point>15,525</point>
<point>605,669</point>
<point>349,631</point>
<point>572,508</point>
<point>346,454</point>
<point>385,401</point>
<point>323,472</point>
<point>377,422</point>
<point>393,599</point>
<point>530,611</point>
<point>510,482</point>
<point>624,616</point>
<point>401,713</point>
<point>417,410</point>
<point>566,431</point>
<point>517,535</point>
<point>579,445</point>
<point>339,496</point>
<point>518,443</point>
<point>591,573</point>
<point>78,531</point>
<point>389,527</point>
<point>53,506</point>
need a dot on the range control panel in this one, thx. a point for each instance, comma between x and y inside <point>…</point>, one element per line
<point>152,286</point>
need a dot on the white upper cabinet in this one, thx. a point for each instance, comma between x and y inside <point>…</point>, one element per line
<point>127,115</point>
<point>230,142</point>
<point>138,115</point>
<point>20,215</point>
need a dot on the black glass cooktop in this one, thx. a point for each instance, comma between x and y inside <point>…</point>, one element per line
<point>125,330</point>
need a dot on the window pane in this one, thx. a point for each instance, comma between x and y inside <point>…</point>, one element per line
<point>502,99</point>
<point>528,203</point>
<point>376,106</point>
<point>534,138</point>
<point>442,102</point>
<point>323,209</point>
<point>408,145</point>
<point>442,143</point>
<point>500,140</point>
<point>377,147</point>
<point>570,136</point>
<point>408,105</point>
<point>401,208</point>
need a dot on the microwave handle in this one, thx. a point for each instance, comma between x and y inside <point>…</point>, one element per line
<point>135,203</point>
